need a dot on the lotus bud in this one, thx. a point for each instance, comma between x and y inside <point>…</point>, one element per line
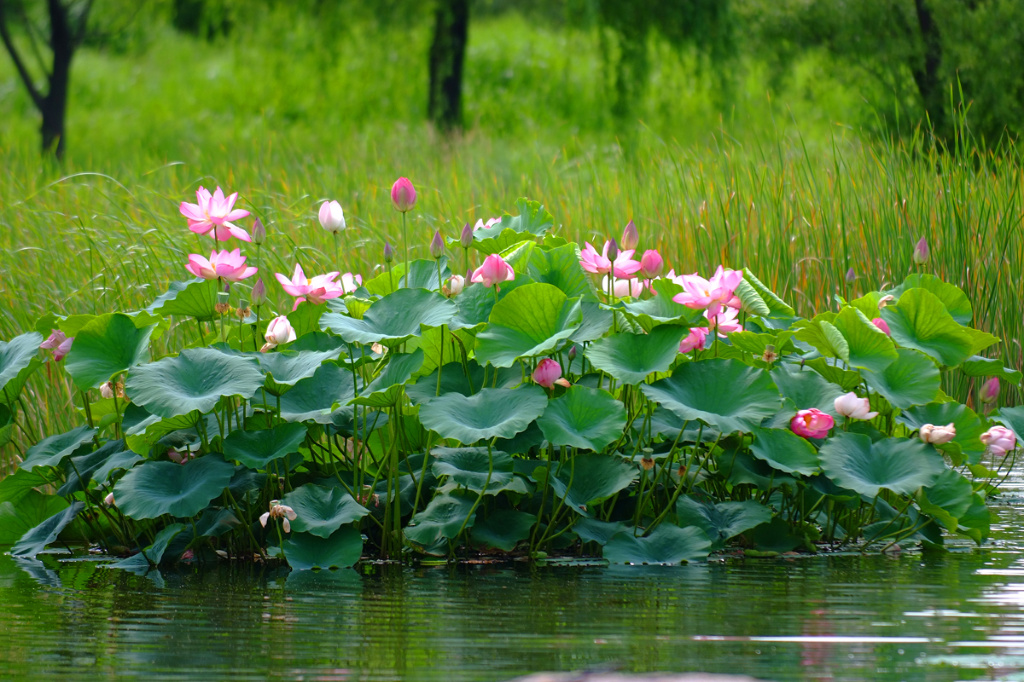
<point>109,499</point>
<point>389,253</point>
<point>937,435</point>
<point>850,276</point>
<point>882,324</point>
<point>990,391</point>
<point>437,245</point>
<point>259,293</point>
<point>812,423</point>
<point>403,194</point>
<point>455,285</point>
<point>572,353</point>
<point>613,250</point>
<point>630,237</point>
<point>259,233</point>
<point>278,331</point>
<point>853,407</point>
<point>332,218</point>
<point>999,440</point>
<point>549,373</point>
<point>651,264</point>
<point>921,253</point>
<point>466,238</point>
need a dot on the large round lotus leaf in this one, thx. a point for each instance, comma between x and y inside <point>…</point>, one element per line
<point>977,520</point>
<point>920,321</point>
<point>868,346</point>
<point>51,451</point>
<point>475,304</point>
<point>35,541</point>
<point>560,267</point>
<point>153,489</point>
<point>256,449</point>
<point>455,379</point>
<point>969,428</point>
<point>288,367</point>
<point>387,388</point>
<point>492,412</point>
<point>947,499</point>
<point>194,380</point>
<point>726,394</point>
<point>320,510</point>
<point>955,300</point>
<point>738,467</point>
<point>900,465</point>
<point>503,529</point>
<point>785,451</point>
<point>530,320</point>
<point>630,358</point>
<point>443,518</point>
<point>474,468</point>
<point>667,545</point>
<point>194,298</point>
<point>313,399</point>
<point>980,366</point>
<point>394,318</point>
<point>18,359</point>
<point>595,530</point>
<point>79,470</point>
<point>585,418</point>
<point>805,388</point>
<point>305,551</point>
<point>587,479</point>
<point>597,320</point>
<point>723,520</point>
<point>913,379</point>
<point>106,346</point>
<point>422,275</point>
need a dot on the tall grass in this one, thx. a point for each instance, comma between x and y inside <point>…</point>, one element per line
<point>799,201</point>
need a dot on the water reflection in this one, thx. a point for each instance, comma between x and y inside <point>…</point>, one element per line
<point>911,617</point>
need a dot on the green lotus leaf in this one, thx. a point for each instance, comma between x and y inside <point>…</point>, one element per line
<point>194,380</point>
<point>594,530</point>
<point>978,366</point>
<point>143,430</point>
<point>533,220</point>
<point>474,468</point>
<point>1010,417</point>
<point>774,303</point>
<point>953,299</point>
<point>756,344</point>
<point>394,318</point>
<point>869,347</point>
<point>35,541</point>
<point>976,522</point>
<point>920,321</point>
<point>805,388</point>
<point>589,478</point>
<point>503,529</point>
<point>843,378</point>
<point>947,499</point>
<point>721,521</point>
<point>900,465</point>
<point>18,484</point>
<point>739,467</point>
<point>823,335</point>
<point>785,451</point>
<point>561,267</point>
<point>79,470</point>
<point>630,358</point>
<point>152,489</point>
<point>455,379</point>
<point>726,394</point>
<point>443,518</point>
<point>18,517</point>
<point>18,359</point>
<point>153,554</point>
<point>314,399</point>
<point>967,442</point>
<point>287,368</point>
<point>490,413</point>
<point>256,449</point>
<point>666,545</point>
<point>597,320</point>
<point>751,299</point>
<point>529,321</point>
<point>124,459</point>
<point>6,425</point>
<point>387,389</point>
<point>583,417</point>
<point>108,345</point>
<point>305,551</point>
<point>194,298</point>
<point>423,275</point>
<point>913,379</point>
<point>774,537</point>
<point>51,451</point>
<point>475,304</point>
<point>321,511</point>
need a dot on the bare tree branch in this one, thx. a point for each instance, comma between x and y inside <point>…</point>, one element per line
<point>26,77</point>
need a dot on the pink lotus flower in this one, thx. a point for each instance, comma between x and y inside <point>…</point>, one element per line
<point>598,263</point>
<point>999,440</point>
<point>226,265</point>
<point>315,290</point>
<point>279,511</point>
<point>695,340</point>
<point>624,287</point>
<point>455,285</point>
<point>549,373</point>
<point>215,213</point>
<point>331,217</point>
<point>630,236</point>
<point>403,194</point>
<point>990,391</point>
<point>812,423</point>
<point>711,294</point>
<point>937,435</point>
<point>725,322</point>
<point>58,343</point>
<point>651,264</point>
<point>480,224</point>
<point>852,407</point>
<point>921,252</point>
<point>350,282</point>
<point>279,331</point>
<point>494,271</point>
<point>882,324</point>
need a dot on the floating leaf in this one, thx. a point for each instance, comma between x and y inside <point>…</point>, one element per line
<point>490,413</point>
<point>153,489</point>
<point>305,551</point>
<point>582,417</point>
<point>630,358</point>
<point>256,449</point>
<point>666,545</point>
<point>321,511</point>
<point>529,321</point>
<point>394,318</point>
<point>108,345</point>
<point>474,468</point>
<point>896,464</point>
<point>194,380</point>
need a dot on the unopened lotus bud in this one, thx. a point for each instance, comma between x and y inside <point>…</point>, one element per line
<point>466,238</point>
<point>109,499</point>
<point>850,276</point>
<point>613,250</point>
<point>403,194</point>
<point>937,435</point>
<point>259,233</point>
<point>437,245</point>
<point>389,253</point>
<point>572,353</point>
<point>259,293</point>
<point>921,252</point>
<point>331,216</point>
<point>630,237</point>
<point>990,391</point>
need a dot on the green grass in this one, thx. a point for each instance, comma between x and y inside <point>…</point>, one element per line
<point>785,189</point>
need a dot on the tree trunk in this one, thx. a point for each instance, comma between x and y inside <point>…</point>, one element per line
<point>926,75</point>
<point>447,51</point>
<point>54,105</point>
